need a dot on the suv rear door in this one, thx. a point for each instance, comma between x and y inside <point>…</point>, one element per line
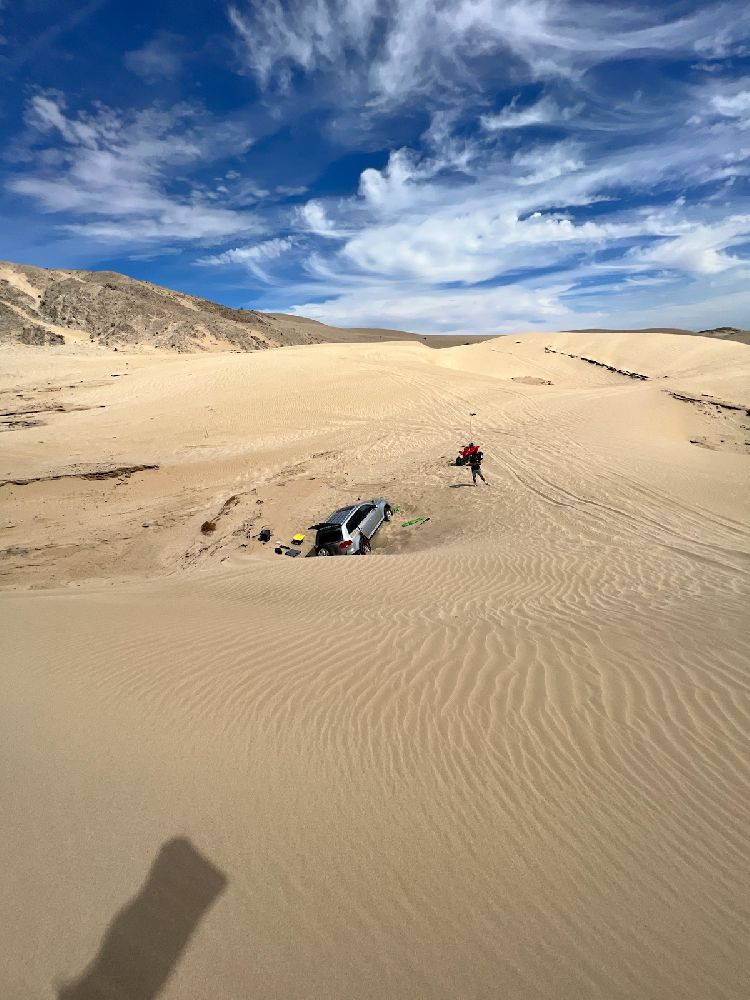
<point>328,537</point>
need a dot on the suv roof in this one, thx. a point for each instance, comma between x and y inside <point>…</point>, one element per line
<point>340,516</point>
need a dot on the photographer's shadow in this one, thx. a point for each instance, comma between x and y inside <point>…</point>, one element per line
<point>144,942</point>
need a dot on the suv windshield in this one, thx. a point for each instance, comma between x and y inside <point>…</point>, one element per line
<point>329,534</point>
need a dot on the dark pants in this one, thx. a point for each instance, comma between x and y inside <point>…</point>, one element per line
<point>476,470</point>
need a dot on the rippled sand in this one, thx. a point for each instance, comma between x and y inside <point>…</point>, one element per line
<point>506,755</point>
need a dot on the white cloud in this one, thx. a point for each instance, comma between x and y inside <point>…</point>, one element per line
<point>278,36</point>
<point>542,112</point>
<point>627,304</point>
<point>407,307</point>
<point>111,172</point>
<point>314,219</point>
<point>160,58</point>
<point>700,249</point>
<point>390,52</point>
<point>472,241</point>
<point>252,257</point>
<point>549,161</point>
<point>734,106</point>
<point>722,106</point>
<point>266,250</point>
<point>410,221</point>
<point>389,187</point>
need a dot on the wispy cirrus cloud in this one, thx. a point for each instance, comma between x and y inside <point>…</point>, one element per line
<point>543,112</point>
<point>113,173</point>
<point>251,257</point>
<point>403,48</point>
<point>702,249</point>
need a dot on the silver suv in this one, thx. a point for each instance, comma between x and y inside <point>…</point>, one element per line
<point>348,531</point>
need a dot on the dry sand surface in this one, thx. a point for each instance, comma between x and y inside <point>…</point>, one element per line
<point>506,755</point>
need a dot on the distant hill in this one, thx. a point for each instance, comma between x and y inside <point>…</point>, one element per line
<point>727,333</point>
<point>717,333</point>
<point>43,307</point>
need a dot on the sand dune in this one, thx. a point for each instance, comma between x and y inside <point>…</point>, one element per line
<point>506,755</point>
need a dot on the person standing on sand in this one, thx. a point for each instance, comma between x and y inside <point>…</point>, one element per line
<point>475,463</point>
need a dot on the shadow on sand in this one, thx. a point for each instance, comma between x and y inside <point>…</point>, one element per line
<point>144,942</point>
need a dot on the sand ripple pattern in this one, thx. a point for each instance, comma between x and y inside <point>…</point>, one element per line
<point>510,760</point>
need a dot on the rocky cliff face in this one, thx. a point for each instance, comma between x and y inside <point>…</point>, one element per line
<point>40,306</point>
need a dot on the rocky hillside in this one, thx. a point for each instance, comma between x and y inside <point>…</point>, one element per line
<point>727,333</point>
<point>40,306</point>
<point>49,307</point>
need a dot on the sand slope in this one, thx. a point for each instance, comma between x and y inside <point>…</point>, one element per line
<point>505,755</point>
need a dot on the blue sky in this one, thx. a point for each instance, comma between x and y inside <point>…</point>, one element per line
<point>457,166</point>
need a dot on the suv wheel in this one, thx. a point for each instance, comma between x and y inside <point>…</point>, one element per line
<point>364,547</point>
<point>322,552</point>
<point>387,513</point>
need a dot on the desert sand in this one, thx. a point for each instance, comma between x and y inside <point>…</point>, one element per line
<point>505,755</point>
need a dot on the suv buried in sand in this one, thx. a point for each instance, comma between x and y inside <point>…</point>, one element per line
<point>347,532</point>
